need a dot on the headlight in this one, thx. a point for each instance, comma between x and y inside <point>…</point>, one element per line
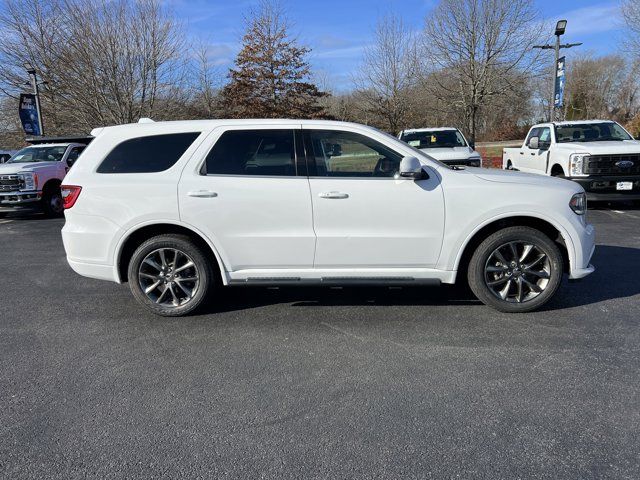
<point>475,162</point>
<point>577,164</point>
<point>578,203</point>
<point>30,181</point>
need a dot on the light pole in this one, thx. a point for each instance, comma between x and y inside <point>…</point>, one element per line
<point>34,84</point>
<point>561,26</point>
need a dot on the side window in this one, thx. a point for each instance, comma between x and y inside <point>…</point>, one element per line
<point>545,135</point>
<point>154,153</point>
<point>347,154</point>
<point>252,152</point>
<point>74,154</point>
<point>535,132</point>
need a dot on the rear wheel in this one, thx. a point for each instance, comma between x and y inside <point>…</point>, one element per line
<point>170,275</point>
<point>517,269</point>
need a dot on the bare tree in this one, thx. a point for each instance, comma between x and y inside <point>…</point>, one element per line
<point>388,72</point>
<point>631,14</point>
<point>104,62</point>
<point>478,48</point>
<point>603,87</point>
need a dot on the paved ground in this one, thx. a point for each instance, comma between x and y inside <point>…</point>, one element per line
<point>317,383</point>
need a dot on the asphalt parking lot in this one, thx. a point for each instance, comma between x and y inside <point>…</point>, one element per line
<point>317,383</point>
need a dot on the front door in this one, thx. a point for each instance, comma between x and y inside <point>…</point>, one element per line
<point>250,199</point>
<point>363,216</point>
<point>534,160</point>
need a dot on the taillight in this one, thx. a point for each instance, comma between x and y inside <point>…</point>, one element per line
<point>70,194</point>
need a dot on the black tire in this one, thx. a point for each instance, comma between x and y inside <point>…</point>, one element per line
<point>509,165</point>
<point>485,267</point>
<point>202,270</point>
<point>52,202</point>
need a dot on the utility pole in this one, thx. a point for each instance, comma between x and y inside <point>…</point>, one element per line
<point>560,29</point>
<point>34,84</point>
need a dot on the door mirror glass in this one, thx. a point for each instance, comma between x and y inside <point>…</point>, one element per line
<point>410,167</point>
<point>534,143</point>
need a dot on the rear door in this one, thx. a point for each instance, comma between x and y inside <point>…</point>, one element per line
<point>247,190</point>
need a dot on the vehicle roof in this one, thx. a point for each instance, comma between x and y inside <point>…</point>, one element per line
<point>184,125</point>
<point>576,122</point>
<point>45,145</point>
<point>428,129</point>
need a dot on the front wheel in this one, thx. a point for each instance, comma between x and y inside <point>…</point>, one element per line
<point>517,269</point>
<point>52,202</point>
<point>170,275</point>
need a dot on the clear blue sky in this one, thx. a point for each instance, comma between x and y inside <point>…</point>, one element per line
<point>337,30</point>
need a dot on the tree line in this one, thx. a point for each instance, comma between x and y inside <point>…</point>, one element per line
<point>472,65</point>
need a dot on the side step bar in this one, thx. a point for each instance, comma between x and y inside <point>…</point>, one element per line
<point>336,281</point>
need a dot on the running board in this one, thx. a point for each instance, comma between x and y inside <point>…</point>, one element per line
<point>336,281</point>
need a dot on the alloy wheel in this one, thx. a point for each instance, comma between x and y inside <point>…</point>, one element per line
<point>168,277</point>
<point>517,272</point>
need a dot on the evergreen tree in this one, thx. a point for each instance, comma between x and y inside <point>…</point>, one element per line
<point>271,74</point>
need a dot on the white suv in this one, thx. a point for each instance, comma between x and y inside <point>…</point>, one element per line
<point>182,209</point>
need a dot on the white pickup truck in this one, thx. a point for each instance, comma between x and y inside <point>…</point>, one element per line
<point>32,177</point>
<point>600,155</point>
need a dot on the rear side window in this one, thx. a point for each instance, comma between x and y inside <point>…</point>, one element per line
<point>252,152</point>
<point>147,154</point>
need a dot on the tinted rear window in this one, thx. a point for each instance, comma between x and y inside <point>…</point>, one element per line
<point>147,154</point>
<point>252,152</point>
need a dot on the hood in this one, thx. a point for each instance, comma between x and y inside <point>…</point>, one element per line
<point>602,148</point>
<point>451,153</point>
<point>510,176</point>
<point>12,168</point>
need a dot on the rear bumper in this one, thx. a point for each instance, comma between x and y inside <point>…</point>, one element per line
<point>91,270</point>
<point>603,188</point>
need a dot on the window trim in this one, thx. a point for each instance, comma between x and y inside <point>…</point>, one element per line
<point>298,152</point>
<point>311,161</point>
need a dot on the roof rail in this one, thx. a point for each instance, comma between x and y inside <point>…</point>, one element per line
<point>84,139</point>
<point>145,120</point>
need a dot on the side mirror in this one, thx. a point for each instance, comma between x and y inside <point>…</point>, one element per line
<point>534,143</point>
<point>472,145</point>
<point>71,161</point>
<point>410,167</point>
<point>336,151</point>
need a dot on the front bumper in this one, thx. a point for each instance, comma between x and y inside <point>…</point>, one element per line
<point>19,199</point>
<point>584,246</point>
<point>603,188</point>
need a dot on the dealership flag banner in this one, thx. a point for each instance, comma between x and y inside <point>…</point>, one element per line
<point>29,114</point>
<point>559,89</point>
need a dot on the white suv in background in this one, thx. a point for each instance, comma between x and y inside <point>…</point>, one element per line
<point>181,210</point>
<point>446,144</point>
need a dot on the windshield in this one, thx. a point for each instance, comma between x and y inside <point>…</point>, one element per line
<point>435,139</point>
<point>39,154</point>
<point>591,132</point>
<point>419,153</point>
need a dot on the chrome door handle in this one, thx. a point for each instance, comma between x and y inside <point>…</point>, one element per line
<point>203,194</point>
<point>334,195</point>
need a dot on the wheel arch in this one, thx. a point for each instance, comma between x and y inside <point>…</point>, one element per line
<point>51,183</point>
<point>543,225</point>
<point>557,170</point>
<point>135,237</point>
